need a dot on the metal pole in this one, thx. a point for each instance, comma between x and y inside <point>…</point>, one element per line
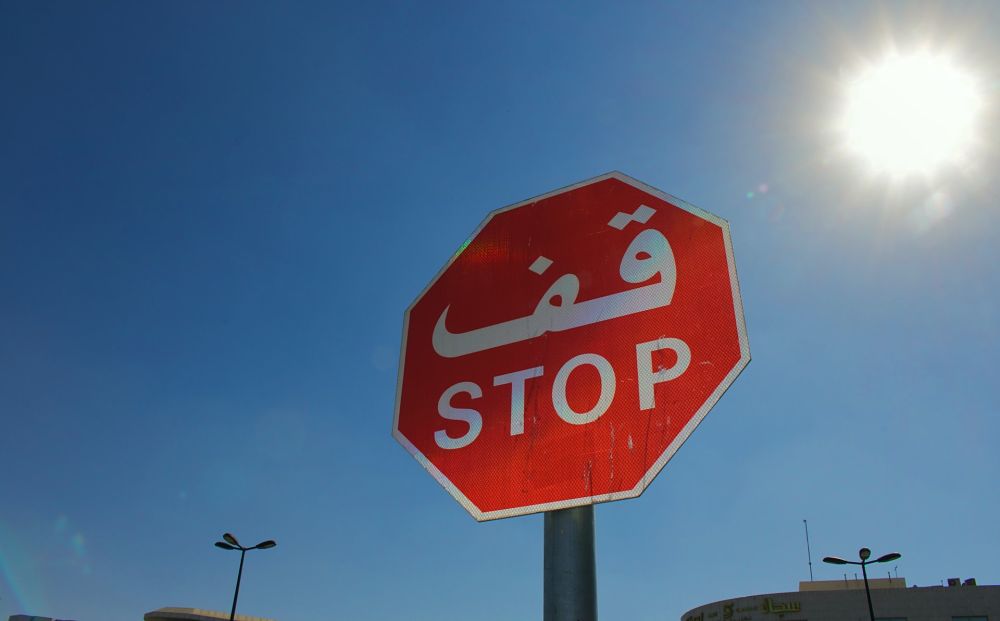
<point>239,576</point>
<point>808,551</point>
<point>871,611</point>
<point>570,576</point>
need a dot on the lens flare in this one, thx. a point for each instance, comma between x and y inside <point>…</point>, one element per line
<point>912,114</point>
<point>18,574</point>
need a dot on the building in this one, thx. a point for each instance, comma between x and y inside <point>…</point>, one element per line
<point>194,614</point>
<point>844,600</point>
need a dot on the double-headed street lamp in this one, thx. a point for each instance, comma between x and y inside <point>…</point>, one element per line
<point>864,554</point>
<point>232,544</point>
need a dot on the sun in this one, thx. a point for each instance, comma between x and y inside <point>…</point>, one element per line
<point>911,114</point>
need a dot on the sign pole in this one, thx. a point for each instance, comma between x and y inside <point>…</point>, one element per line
<point>570,574</point>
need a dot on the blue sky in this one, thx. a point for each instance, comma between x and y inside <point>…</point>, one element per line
<point>213,215</point>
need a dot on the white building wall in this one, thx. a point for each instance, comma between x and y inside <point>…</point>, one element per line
<point>911,604</point>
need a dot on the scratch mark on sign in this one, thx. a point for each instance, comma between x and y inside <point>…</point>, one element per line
<point>611,457</point>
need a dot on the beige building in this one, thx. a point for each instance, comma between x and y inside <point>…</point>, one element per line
<point>844,600</point>
<point>194,614</point>
<point>166,614</point>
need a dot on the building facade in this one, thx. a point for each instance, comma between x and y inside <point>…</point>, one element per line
<point>844,600</point>
<point>194,614</point>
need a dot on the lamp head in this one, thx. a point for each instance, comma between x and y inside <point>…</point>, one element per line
<point>263,545</point>
<point>864,553</point>
<point>833,560</point>
<point>224,546</point>
<point>885,558</point>
<point>231,540</point>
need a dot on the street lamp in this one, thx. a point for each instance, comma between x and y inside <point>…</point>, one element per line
<point>864,554</point>
<point>232,544</point>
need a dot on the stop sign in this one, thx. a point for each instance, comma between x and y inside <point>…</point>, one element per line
<point>569,347</point>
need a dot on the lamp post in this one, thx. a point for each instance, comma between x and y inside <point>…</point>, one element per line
<point>232,544</point>
<point>864,554</point>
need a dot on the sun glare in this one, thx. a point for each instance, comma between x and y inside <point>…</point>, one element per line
<point>911,114</point>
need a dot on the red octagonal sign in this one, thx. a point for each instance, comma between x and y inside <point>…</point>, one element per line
<point>568,349</point>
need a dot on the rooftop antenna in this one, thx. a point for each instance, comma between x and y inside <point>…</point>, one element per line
<point>808,551</point>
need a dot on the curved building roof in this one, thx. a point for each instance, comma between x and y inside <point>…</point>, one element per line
<point>845,600</point>
<point>194,614</point>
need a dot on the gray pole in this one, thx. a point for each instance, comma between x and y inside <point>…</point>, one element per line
<point>570,574</point>
<point>239,576</point>
<point>868,593</point>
